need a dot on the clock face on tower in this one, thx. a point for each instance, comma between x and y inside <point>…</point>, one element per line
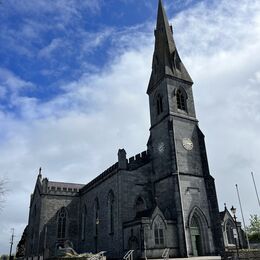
<point>187,144</point>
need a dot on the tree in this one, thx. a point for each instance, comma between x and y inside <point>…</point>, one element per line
<point>254,229</point>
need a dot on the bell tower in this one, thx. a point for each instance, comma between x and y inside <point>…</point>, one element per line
<point>170,93</point>
<point>181,178</point>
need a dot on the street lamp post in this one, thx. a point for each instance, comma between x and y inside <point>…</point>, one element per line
<point>11,244</point>
<point>233,210</point>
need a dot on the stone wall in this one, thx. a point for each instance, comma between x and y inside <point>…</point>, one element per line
<point>243,255</point>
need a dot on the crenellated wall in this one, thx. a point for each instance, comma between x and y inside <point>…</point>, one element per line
<point>138,160</point>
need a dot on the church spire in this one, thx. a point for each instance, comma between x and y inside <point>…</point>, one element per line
<point>166,60</point>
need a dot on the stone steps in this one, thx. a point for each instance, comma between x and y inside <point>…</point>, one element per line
<point>194,258</point>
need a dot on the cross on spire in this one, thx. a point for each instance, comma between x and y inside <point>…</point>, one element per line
<point>40,173</point>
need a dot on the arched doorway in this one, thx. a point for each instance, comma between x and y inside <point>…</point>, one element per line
<point>196,237</point>
<point>199,233</point>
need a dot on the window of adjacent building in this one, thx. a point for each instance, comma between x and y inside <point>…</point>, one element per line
<point>181,100</point>
<point>158,233</point>
<point>159,104</point>
<point>111,211</point>
<point>229,232</point>
<point>62,219</point>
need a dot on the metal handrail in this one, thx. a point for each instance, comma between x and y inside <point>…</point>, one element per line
<point>101,253</point>
<point>129,255</point>
<point>165,254</point>
<point>97,256</point>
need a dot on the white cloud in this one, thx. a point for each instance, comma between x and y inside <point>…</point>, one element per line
<point>222,56</point>
<point>93,40</point>
<point>64,10</point>
<point>76,135</point>
<point>46,52</point>
<point>40,20</point>
<point>10,81</point>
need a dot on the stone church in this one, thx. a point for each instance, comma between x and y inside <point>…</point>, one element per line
<point>163,197</point>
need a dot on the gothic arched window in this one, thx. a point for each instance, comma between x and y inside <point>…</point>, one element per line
<point>62,221</point>
<point>158,231</point>
<point>181,100</point>
<point>111,211</point>
<point>159,104</point>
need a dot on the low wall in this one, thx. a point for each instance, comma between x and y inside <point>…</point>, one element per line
<point>243,255</point>
<point>255,246</point>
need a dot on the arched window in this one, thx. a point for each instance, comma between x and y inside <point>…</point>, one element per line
<point>158,231</point>
<point>159,104</point>
<point>83,222</point>
<point>111,211</point>
<point>181,100</point>
<point>229,232</point>
<point>139,204</point>
<point>62,221</point>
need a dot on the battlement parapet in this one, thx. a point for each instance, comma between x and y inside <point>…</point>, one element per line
<point>138,160</point>
<point>60,188</point>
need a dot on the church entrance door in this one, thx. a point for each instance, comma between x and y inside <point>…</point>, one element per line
<point>196,238</point>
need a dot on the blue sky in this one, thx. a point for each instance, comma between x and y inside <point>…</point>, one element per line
<point>50,43</point>
<point>47,44</point>
<point>73,78</point>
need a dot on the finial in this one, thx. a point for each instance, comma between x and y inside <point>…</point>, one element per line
<point>40,172</point>
<point>225,206</point>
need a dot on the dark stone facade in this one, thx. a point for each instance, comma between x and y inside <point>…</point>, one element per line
<point>161,198</point>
